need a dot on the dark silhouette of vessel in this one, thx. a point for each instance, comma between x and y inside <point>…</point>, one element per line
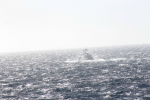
<point>86,56</point>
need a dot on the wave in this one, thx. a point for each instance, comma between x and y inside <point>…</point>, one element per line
<point>82,61</point>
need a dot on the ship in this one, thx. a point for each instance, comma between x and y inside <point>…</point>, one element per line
<point>85,59</point>
<point>86,56</point>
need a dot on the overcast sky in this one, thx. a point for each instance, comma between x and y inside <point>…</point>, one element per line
<point>57,24</point>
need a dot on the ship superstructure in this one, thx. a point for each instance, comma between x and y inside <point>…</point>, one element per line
<point>86,56</point>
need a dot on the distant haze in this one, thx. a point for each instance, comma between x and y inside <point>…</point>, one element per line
<point>59,24</point>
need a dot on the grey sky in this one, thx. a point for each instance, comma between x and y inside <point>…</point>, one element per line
<point>58,24</point>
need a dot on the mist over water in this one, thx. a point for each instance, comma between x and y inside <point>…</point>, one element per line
<point>46,75</point>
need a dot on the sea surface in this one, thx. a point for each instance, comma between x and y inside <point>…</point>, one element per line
<point>45,75</point>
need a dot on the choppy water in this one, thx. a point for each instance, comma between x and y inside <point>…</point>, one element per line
<point>45,75</point>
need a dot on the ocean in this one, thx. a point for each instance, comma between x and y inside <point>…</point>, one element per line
<point>45,75</point>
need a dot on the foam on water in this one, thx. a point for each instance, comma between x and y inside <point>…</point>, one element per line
<point>97,60</point>
<point>75,61</point>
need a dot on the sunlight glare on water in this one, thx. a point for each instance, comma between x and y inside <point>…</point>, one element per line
<point>47,75</point>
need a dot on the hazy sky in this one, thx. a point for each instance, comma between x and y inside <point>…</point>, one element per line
<point>57,24</point>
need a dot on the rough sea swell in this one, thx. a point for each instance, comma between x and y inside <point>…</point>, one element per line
<point>46,75</point>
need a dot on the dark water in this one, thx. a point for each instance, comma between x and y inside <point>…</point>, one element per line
<point>45,75</point>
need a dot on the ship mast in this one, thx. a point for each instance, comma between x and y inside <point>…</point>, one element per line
<point>84,51</point>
